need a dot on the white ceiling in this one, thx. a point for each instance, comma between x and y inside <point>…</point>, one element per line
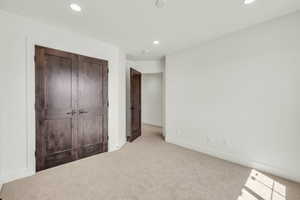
<point>134,24</point>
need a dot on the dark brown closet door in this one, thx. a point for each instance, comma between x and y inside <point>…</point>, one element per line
<point>92,105</point>
<point>55,107</point>
<point>71,107</point>
<point>135,98</point>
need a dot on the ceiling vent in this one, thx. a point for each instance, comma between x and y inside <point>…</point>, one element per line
<point>160,3</point>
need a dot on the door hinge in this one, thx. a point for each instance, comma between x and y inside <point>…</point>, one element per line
<point>35,153</point>
<point>107,104</point>
<point>107,70</point>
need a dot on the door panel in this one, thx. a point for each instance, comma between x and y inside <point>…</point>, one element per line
<point>58,135</point>
<point>91,106</point>
<point>58,142</point>
<point>55,90</point>
<point>71,107</point>
<point>90,84</point>
<point>135,98</point>
<point>91,129</point>
<point>90,135</point>
<point>56,159</point>
<point>59,82</point>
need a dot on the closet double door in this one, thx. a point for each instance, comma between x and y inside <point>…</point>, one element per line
<point>71,107</point>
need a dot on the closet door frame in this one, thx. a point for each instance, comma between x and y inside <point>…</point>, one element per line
<point>75,72</point>
<point>135,104</point>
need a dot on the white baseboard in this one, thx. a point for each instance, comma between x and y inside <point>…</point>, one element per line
<point>14,175</point>
<point>148,124</point>
<point>241,161</point>
<point>121,145</point>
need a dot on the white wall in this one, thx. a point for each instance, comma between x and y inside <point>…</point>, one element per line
<point>147,66</point>
<point>238,97</point>
<point>152,99</point>
<point>17,121</point>
<point>122,100</point>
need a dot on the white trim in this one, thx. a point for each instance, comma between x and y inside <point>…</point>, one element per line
<point>149,124</point>
<point>14,175</point>
<point>121,145</point>
<point>29,116</point>
<point>30,111</point>
<point>30,102</point>
<point>238,160</point>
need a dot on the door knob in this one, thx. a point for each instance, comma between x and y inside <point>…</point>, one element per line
<point>71,113</point>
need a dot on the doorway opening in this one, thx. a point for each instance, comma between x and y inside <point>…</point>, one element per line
<point>145,107</point>
<point>135,104</point>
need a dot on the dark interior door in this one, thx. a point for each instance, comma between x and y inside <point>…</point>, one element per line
<point>55,91</point>
<point>92,106</point>
<point>71,107</point>
<point>135,98</point>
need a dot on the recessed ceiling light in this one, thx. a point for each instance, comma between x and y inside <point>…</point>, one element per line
<point>247,2</point>
<point>75,7</point>
<point>156,42</point>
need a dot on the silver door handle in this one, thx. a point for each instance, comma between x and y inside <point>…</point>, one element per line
<point>71,113</point>
<point>83,112</point>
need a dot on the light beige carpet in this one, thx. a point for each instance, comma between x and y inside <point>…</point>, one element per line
<point>151,169</point>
